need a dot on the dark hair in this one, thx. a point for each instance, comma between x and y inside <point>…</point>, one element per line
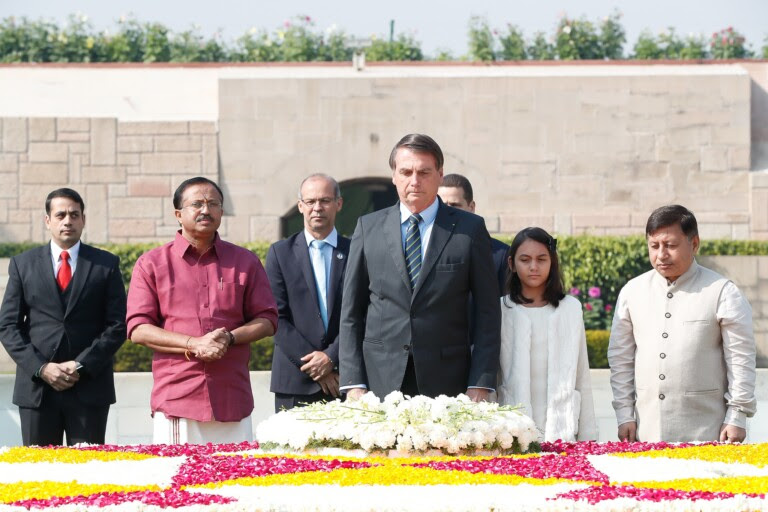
<point>669,216</point>
<point>198,180</point>
<point>64,192</point>
<point>554,290</point>
<point>459,181</point>
<point>418,143</point>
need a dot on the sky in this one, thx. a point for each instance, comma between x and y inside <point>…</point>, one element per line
<point>437,25</point>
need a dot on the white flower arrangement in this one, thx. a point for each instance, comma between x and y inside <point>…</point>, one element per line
<point>449,424</point>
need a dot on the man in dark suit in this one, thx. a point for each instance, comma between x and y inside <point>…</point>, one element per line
<point>412,268</point>
<point>456,191</point>
<point>62,320</point>
<point>306,273</point>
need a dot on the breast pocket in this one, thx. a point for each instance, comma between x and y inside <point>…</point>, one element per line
<point>229,297</point>
<point>449,267</point>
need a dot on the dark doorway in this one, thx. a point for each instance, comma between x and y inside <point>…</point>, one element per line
<point>361,196</point>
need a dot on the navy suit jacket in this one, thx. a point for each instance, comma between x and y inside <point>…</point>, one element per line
<point>300,327</point>
<point>36,327</point>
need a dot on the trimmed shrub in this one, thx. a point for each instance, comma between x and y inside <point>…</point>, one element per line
<point>137,358</point>
<point>588,262</point>
<point>597,348</point>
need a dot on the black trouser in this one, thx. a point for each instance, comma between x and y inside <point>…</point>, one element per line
<point>62,412</point>
<point>410,387</point>
<point>284,401</point>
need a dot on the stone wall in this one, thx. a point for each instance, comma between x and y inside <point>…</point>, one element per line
<point>125,171</point>
<point>573,151</point>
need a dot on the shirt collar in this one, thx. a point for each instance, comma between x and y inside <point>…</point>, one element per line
<point>181,245</point>
<point>428,214</point>
<point>332,238</point>
<point>73,251</point>
<point>686,276</point>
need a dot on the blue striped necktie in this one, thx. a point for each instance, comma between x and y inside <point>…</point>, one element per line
<point>413,249</point>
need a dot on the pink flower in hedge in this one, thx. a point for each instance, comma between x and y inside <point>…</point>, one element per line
<point>594,292</point>
<point>608,308</point>
<point>588,306</point>
<point>574,291</point>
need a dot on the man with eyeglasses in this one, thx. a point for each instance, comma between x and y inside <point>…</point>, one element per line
<point>199,302</point>
<point>306,272</point>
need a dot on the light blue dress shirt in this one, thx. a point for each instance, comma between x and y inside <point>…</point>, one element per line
<point>322,274</point>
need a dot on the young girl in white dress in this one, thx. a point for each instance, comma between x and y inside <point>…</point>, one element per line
<point>544,365</point>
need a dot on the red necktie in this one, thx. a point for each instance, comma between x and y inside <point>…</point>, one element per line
<point>65,271</point>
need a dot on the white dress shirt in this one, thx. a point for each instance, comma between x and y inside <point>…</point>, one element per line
<point>56,251</point>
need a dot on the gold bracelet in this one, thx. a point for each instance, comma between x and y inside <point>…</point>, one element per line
<point>186,352</point>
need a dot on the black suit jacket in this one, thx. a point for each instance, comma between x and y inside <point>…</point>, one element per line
<point>499,250</point>
<point>382,320</point>
<point>300,327</point>
<point>36,327</point>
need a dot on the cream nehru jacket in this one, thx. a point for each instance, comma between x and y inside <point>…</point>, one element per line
<point>682,356</point>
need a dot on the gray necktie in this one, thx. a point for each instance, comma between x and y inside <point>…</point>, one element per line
<point>413,249</point>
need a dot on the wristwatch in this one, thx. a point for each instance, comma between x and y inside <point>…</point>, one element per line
<point>231,338</point>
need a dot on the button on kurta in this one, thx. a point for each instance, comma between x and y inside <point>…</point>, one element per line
<point>406,347</point>
<point>662,355</point>
<point>661,397</point>
<point>662,377</point>
<point>664,335</point>
<point>667,315</point>
<point>669,295</point>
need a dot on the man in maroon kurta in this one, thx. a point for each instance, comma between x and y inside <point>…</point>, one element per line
<point>199,302</point>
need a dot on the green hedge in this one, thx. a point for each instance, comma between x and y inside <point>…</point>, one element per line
<point>301,40</point>
<point>137,358</point>
<point>597,348</point>
<point>605,262</point>
<point>608,262</point>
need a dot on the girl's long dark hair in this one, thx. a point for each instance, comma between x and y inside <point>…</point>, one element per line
<point>554,291</point>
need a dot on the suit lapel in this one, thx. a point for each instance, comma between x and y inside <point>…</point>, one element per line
<point>441,233</point>
<point>393,240</point>
<point>84,263</point>
<point>301,253</point>
<point>50,287</point>
<point>338,260</point>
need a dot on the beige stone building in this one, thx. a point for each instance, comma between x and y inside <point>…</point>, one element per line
<point>572,148</point>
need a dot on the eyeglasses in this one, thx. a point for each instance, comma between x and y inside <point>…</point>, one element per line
<point>324,201</point>
<point>198,205</point>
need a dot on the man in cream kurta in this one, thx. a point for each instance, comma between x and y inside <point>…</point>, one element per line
<point>682,348</point>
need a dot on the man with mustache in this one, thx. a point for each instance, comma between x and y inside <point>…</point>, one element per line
<point>682,348</point>
<point>199,302</point>
<point>306,271</point>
